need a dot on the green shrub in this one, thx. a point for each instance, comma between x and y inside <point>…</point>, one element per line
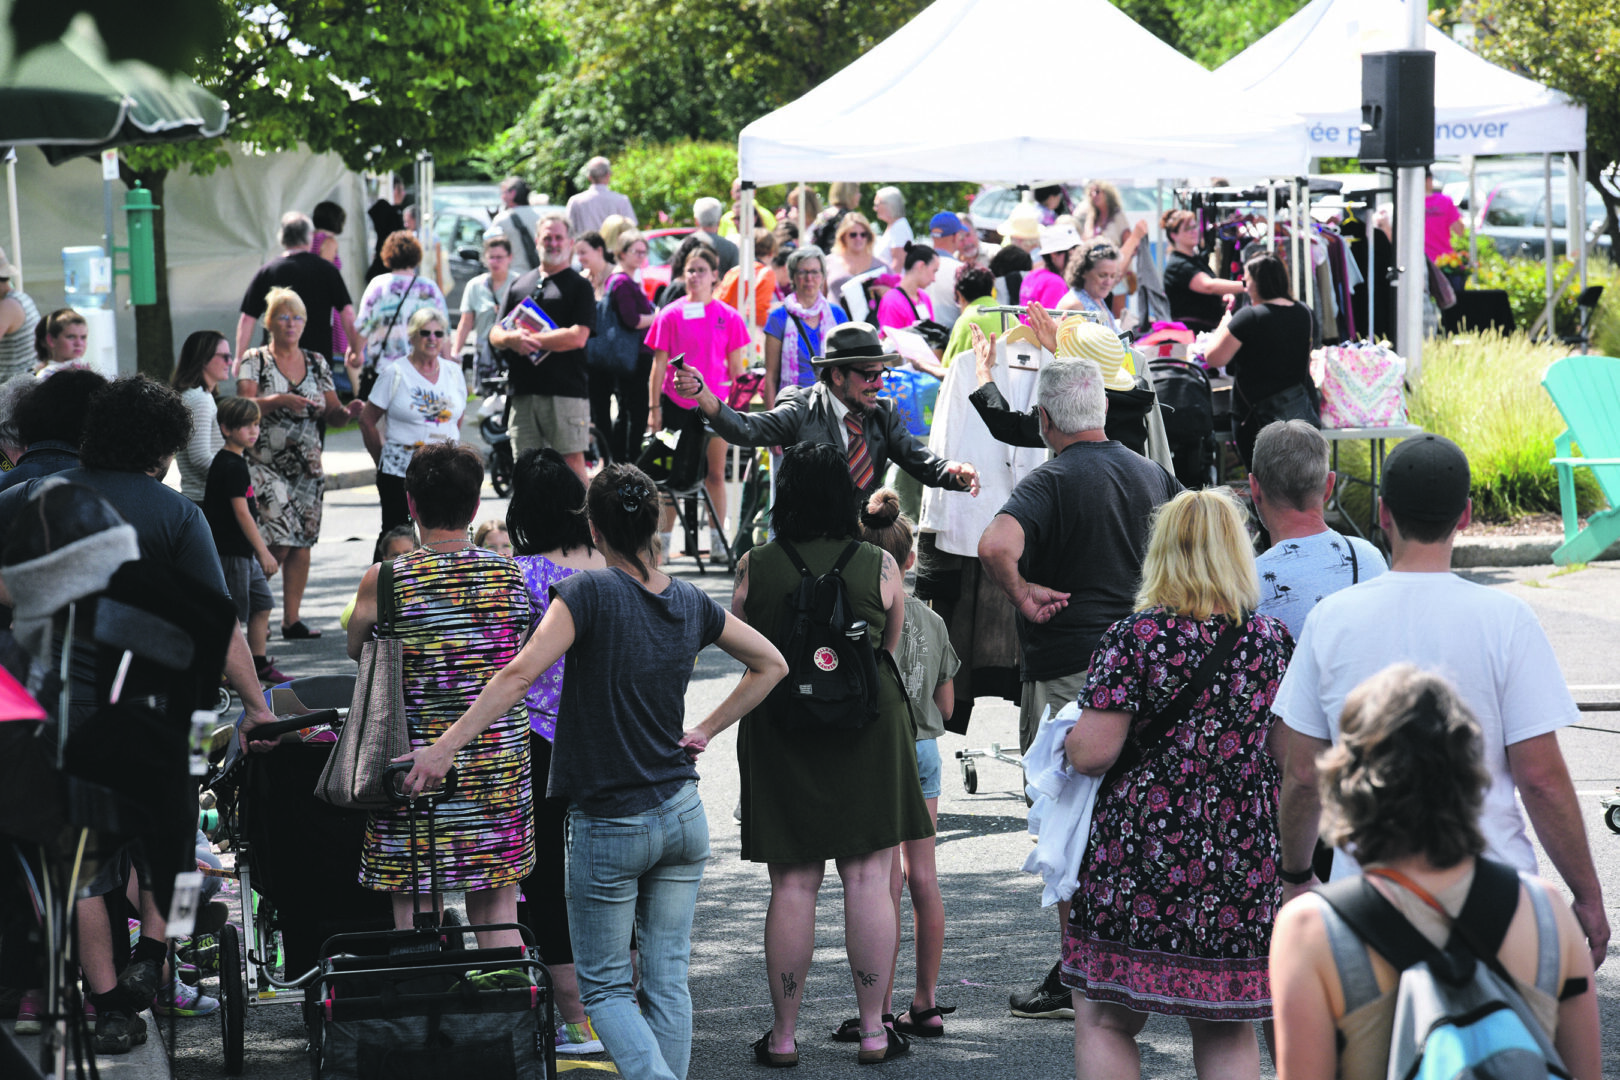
<point>668,177</point>
<point>1483,391</point>
<point>1525,282</point>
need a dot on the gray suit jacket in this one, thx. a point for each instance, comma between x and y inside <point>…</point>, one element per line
<point>808,416</point>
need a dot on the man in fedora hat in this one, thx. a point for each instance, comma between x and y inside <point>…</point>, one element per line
<point>843,410</point>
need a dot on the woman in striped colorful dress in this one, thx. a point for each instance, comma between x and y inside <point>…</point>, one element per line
<point>460,612</point>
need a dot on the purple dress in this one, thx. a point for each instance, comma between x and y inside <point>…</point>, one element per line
<point>1179,886</point>
<point>539,575</point>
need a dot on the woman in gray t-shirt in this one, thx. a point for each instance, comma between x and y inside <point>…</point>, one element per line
<point>623,759</point>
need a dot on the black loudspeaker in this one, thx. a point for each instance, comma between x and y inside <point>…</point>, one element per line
<point>1397,108</point>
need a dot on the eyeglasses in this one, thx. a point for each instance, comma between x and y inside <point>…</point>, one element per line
<point>637,251</point>
<point>223,354</point>
<point>431,333</point>
<point>870,375</point>
<point>289,318</point>
<point>807,272</point>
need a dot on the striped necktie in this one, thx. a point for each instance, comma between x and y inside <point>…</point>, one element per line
<point>860,458</point>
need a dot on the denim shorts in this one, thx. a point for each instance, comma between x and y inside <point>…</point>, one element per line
<point>928,767</point>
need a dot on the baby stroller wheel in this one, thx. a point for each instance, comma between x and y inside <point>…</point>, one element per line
<point>233,996</point>
<point>223,702</point>
<point>500,469</point>
<point>970,776</point>
<point>1611,818</point>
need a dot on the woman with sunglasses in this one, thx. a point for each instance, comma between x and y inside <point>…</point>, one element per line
<point>423,397</point>
<point>851,252</point>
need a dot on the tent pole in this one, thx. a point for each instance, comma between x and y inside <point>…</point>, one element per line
<point>745,252</point>
<point>16,230</point>
<point>804,220</point>
<point>1576,165</point>
<point>1547,239</point>
<point>1473,214</point>
<point>1372,261</point>
<point>1271,217</point>
<point>1413,286</point>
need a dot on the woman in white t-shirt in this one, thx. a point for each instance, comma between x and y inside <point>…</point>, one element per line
<point>423,399</point>
<point>482,301</point>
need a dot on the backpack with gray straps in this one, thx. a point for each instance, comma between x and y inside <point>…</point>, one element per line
<point>1457,1011</point>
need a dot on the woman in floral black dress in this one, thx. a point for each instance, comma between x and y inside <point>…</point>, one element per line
<point>1178,886</point>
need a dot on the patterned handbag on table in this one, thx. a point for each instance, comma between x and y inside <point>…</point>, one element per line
<point>374,733</point>
<point>1363,386</point>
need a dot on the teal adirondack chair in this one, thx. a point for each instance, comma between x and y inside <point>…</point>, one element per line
<point>1586,390</point>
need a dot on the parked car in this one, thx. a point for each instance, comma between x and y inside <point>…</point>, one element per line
<point>451,197</point>
<point>661,245</point>
<point>460,232</point>
<point>1514,216</point>
<point>992,206</point>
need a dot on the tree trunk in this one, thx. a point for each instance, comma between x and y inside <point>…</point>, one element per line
<point>154,330</point>
<point>1611,203</point>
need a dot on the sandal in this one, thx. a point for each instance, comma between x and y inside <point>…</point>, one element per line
<point>298,632</point>
<point>898,1045</point>
<point>916,1023</point>
<point>850,1030</point>
<point>764,1055</point>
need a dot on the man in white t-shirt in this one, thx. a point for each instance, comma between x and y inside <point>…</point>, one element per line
<point>1487,643</point>
<point>1290,483</point>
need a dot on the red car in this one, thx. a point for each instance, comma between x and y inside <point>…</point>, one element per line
<point>661,245</point>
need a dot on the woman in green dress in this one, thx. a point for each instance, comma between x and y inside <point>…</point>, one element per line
<point>813,794</point>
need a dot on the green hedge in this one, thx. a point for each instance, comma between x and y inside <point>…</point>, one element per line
<point>668,177</point>
<point>1525,282</point>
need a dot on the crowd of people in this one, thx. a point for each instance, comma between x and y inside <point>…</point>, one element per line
<point>1210,731</point>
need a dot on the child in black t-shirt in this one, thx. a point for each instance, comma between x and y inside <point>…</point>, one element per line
<point>233,515</point>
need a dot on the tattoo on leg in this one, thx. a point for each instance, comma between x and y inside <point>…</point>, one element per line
<point>867,977</point>
<point>789,984</point>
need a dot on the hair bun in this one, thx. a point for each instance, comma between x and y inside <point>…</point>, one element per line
<point>881,510</point>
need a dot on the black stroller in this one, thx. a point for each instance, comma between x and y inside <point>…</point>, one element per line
<point>297,861</point>
<point>1188,406</point>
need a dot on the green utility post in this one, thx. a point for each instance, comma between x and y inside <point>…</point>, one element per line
<point>140,212</point>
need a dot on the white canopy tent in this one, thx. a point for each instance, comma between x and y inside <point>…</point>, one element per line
<point>1313,63</point>
<point>898,113</point>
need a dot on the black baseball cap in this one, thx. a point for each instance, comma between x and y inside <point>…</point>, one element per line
<point>1426,479</point>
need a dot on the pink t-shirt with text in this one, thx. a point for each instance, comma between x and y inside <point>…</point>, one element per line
<point>895,311</point>
<point>706,333</point>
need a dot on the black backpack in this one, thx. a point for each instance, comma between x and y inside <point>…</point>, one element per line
<point>832,679</point>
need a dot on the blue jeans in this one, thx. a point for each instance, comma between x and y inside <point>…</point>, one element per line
<point>639,872</point>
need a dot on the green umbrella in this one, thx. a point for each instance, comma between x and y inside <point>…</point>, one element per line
<point>68,99</point>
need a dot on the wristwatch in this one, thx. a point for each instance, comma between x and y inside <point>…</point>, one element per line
<point>1296,877</point>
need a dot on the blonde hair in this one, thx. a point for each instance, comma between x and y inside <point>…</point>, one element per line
<point>419,320</point>
<point>283,297</point>
<point>845,194</point>
<point>613,227</point>
<point>1200,560</point>
<point>848,222</point>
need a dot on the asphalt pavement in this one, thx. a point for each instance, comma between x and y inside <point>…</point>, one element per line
<point>997,938</point>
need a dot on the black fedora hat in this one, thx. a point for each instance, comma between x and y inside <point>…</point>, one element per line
<point>853,343</point>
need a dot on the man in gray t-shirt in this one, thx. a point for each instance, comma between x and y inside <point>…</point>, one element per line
<point>1290,483</point>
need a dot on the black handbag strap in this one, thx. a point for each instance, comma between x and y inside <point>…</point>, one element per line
<point>385,599</point>
<point>1355,564</point>
<point>1177,708</point>
<point>804,335</point>
<point>408,287</point>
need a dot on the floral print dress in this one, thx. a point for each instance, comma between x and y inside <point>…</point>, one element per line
<point>286,461</point>
<point>539,575</point>
<point>1178,886</point>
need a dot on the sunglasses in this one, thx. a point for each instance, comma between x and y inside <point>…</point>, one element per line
<point>289,318</point>
<point>870,375</point>
<point>431,333</point>
<point>853,235</point>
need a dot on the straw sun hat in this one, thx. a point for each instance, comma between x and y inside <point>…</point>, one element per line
<point>1082,339</point>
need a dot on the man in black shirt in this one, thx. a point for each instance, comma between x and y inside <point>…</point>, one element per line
<point>549,387</point>
<point>317,282</point>
<point>1067,549</point>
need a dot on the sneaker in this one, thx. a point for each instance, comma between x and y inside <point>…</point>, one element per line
<point>183,1000</point>
<point>578,1039</point>
<point>119,1032</point>
<point>30,1007</point>
<point>142,979</point>
<point>1051,1000</point>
